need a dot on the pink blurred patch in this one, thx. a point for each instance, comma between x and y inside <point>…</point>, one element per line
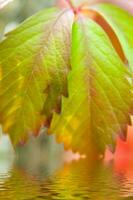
<point>62,4</point>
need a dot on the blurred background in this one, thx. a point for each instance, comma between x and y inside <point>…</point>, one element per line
<point>18,10</point>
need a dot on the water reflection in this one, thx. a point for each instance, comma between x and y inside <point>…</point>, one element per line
<point>75,181</point>
<point>6,160</point>
<point>43,174</point>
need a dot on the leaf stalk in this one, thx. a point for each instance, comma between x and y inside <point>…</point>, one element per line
<point>75,10</point>
<point>70,4</point>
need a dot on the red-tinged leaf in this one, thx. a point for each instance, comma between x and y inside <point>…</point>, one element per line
<point>96,108</point>
<point>88,87</point>
<point>33,58</point>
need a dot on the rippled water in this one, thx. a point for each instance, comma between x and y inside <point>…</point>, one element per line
<point>74,181</point>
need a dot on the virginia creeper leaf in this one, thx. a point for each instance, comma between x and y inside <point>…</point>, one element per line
<point>96,108</point>
<point>34,60</point>
<point>83,78</point>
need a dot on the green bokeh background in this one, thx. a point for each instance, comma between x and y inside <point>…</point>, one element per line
<point>18,10</point>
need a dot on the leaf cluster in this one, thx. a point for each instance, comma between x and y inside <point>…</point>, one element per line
<point>71,71</point>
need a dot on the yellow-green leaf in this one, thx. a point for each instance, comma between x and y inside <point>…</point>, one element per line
<point>99,92</point>
<point>34,60</point>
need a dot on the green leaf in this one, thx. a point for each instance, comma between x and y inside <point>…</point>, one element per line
<point>34,61</point>
<point>99,92</point>
<point>122,24</point>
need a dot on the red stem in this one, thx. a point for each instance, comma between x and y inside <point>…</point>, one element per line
<point>75,10</point>
<point>70,4</point>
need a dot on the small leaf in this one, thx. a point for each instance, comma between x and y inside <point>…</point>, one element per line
<point>122,24</point>
<point>99,93</point>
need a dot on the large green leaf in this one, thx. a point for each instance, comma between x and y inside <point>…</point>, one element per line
<point>122,24</point>
<point>99,92</point>
<point>34,61</point>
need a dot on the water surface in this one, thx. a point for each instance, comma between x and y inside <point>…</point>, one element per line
<point>74,181</point>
